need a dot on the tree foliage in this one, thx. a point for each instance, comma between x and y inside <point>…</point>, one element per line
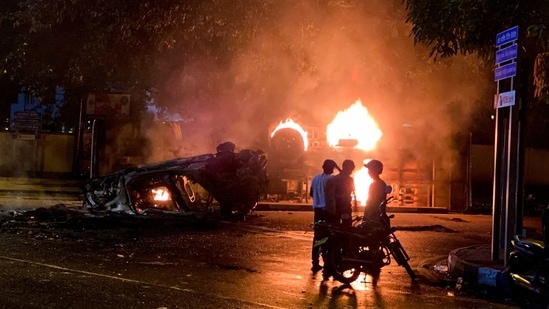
<point>92,45</point>
<point>452,27</point>
<point>95,44</point>
<point>186,50</point>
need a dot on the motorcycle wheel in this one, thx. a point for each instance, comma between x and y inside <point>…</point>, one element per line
<point>400,258</point>
<point>409,270</point>
<point>374,273</point>
<point>343,272</point>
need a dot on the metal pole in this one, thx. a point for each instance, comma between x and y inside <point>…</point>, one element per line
<point>76,158</point>
<point>469,172</point>
<point>432,202</point>
<point>496,212</point>
<point>92,151</point>
<point>508,209</point>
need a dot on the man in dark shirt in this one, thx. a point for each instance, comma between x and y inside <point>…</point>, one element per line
<point>377,192</point>
<point>344,186</point>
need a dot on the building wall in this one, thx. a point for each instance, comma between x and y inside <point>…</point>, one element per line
<point>30,155</point>
<point>536,165</point>
<point>482,163</point>
<point>52,155</point>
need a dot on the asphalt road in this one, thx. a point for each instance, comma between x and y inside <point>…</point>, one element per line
<point>62,258</point>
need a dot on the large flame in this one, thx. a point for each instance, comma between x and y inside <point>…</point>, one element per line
<point>362,183</point>
<point>353,127</point>
<point>290,124</point>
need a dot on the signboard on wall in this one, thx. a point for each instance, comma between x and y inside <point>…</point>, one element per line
<point>29,120</point>
<point>108,104</point>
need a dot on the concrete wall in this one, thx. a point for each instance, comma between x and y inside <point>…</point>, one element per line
<point>30,155</point>
<point>536,167</point>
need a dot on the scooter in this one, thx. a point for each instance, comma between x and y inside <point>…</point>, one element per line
<point>528,271</point>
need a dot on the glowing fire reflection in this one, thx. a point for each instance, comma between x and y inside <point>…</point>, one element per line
<point>353,127</point>
<point>290,124</point>
<point>160,194</point>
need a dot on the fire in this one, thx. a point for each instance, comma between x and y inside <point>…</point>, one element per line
<point>353,127</point>
<point>290,124</point>
<point>161,194</point>
<point>362,183</point>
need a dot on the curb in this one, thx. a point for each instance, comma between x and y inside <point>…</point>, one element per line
<point>281,206</point>
<point>40,191</point>
<point>483,272</point>
<point>39,186</point>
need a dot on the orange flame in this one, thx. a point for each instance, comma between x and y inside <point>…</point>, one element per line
<point>290,124</point>
<point>353,127</point>
<point>161,194</point>
<point>362,183</point>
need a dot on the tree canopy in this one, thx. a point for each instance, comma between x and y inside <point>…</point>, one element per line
<point>283,55</point>
<point>95,45</point>
<point>98,45</point>
<point>452,27</point>
<point>126,45</point>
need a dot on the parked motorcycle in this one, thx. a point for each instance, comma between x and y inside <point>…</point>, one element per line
<point>365,247</point>
<point>528,269</point>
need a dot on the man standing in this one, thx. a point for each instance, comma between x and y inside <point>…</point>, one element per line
<point>344,186</point>
<point>323,205</point>
<point>377,192</point>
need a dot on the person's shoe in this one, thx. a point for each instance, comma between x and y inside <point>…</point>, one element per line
<point>316,268</point>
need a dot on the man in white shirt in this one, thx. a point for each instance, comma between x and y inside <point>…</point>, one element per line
<point>323,205</point>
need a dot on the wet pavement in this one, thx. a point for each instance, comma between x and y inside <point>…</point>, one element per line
<point>181,262</point>
<point>456,269</point>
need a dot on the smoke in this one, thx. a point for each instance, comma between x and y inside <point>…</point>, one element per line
<point>309,60</point>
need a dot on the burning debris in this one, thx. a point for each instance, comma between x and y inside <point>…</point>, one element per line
<point>231,180</point>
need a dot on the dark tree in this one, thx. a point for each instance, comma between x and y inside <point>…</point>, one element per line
<point>451,27</point>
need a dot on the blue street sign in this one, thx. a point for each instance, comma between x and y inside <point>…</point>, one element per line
<point>507,53</point>
<point>507,36</point>
<point>506,71</point>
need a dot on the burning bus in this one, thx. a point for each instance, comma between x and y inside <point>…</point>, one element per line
<point>297,152</point>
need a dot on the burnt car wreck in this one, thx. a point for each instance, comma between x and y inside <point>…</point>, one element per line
<point>227,182</point>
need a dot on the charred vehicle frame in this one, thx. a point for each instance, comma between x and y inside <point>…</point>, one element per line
<point>229,181</point>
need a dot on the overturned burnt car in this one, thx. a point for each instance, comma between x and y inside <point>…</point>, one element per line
<point>229,182</point>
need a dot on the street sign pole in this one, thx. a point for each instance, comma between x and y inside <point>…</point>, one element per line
<point>507,213</point>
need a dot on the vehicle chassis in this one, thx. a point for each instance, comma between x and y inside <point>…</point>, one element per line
<point>235,180</point>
